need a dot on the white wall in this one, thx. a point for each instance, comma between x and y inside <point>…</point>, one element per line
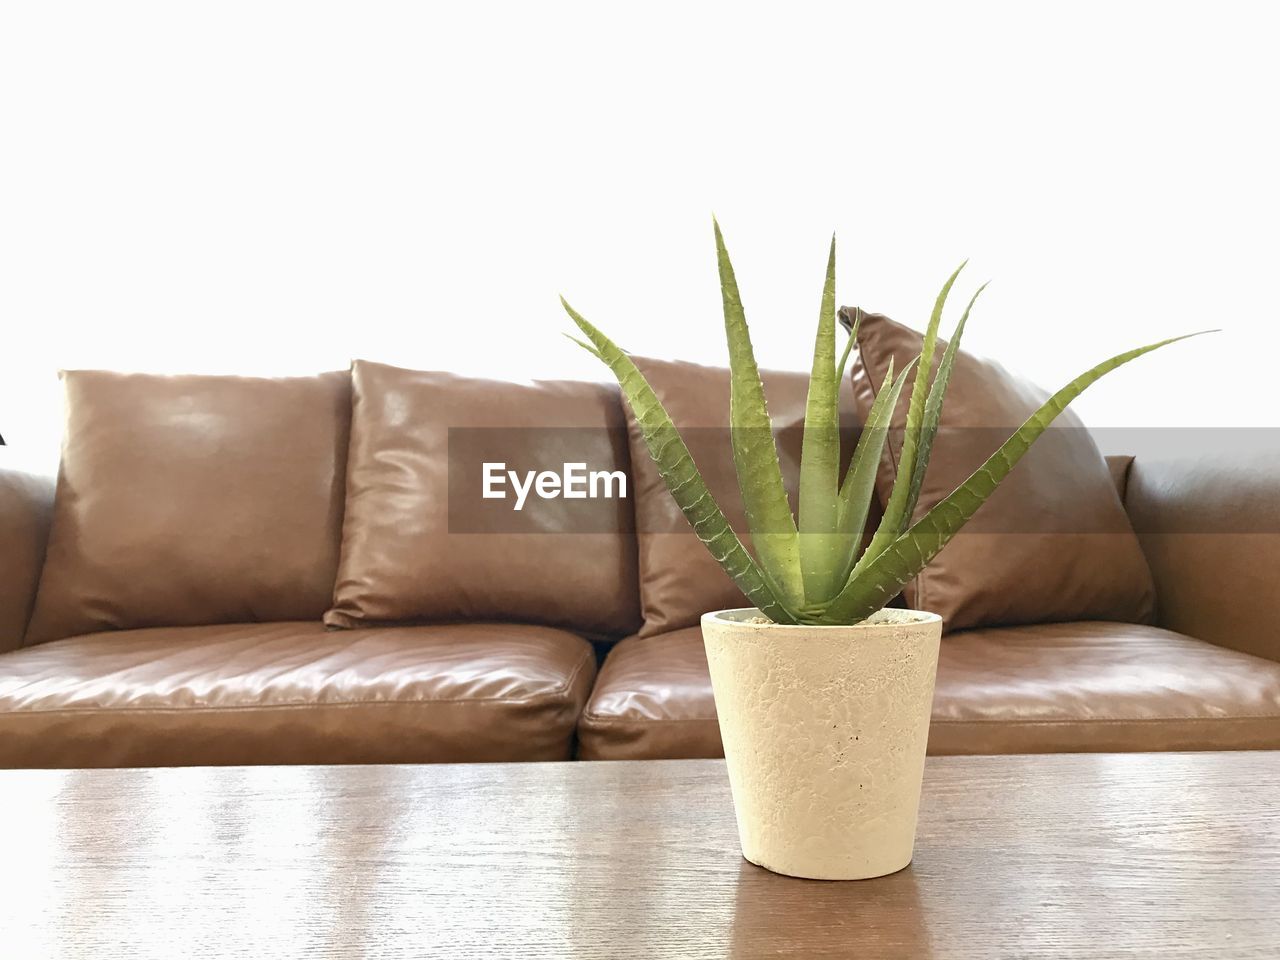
<point>271,187</point>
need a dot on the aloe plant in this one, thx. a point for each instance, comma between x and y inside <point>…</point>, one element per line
<point>808,570</point>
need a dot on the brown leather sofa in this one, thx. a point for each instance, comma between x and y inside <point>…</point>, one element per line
<point>271,683</point>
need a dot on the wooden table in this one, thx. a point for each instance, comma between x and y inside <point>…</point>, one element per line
<point>1159,855</point>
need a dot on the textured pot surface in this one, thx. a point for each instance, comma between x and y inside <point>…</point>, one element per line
<point>824,733</point>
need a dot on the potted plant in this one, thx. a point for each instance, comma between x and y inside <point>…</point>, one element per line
<point>823,693</point>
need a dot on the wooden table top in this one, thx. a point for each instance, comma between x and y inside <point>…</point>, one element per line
<point>1161,855</point>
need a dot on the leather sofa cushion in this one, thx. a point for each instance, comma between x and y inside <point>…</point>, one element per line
<point>1053,543</point>
<point>1208,517</point>
<point>652,700</point>
<point>1119,466</point>
<point>294,693</point>
<point>26,506</point>
<point>420,543</point>
<point>1089,686</point>
<point>194,500</point>
<point>1096,686</point>
<point>679,579</point>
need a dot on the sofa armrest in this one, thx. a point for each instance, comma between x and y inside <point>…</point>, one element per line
<point>1209,523</point>
<point>26,506</point>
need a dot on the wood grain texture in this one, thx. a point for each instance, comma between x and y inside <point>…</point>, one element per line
<point>1065,856</point>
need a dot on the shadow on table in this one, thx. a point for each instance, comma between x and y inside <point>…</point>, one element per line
<point>783,916</point>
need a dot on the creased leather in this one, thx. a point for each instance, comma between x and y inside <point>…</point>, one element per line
<point>1119,466</point>
<point>1053,543</point>
<point>1100,687</point>
<point>1207,523</point>
<point>294,693</point>
<point>401,560</point>
<point>26,506</point>
<point>194,500</point>
<point>1035,689</point>
<point>652,699</point>
<point>679,579</point>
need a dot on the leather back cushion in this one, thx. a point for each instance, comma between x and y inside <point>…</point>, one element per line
<point>679,579</point>
<point>1053,543</point>
<point>421,543</point>
<point>194,500</point>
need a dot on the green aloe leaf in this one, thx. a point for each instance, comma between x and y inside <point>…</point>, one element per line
<point>680,473</point>
<point>896,515</point>
<point>820,548</point>
<point>582,343</point>
<point>871,587</point>
<point>859,482</point>
<point>933,407</point>
<point>755,455</point>
<point>849,344</point>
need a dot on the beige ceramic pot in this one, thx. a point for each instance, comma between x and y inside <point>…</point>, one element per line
<point>824,732</point>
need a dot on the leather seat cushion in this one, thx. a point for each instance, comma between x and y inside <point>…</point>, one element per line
<point>1090,686</point>
<point>652,700</point>
<point>294,693</point>
<point>1095,686</point>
